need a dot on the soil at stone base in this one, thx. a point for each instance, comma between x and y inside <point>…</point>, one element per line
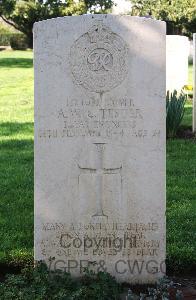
<point>6,269</point>
<point>185,284</point>
<point>186,133</point>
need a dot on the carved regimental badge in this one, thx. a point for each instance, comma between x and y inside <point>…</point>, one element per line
<point>99,59</point>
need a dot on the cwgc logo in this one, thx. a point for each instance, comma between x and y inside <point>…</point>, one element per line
<point>98,59</point>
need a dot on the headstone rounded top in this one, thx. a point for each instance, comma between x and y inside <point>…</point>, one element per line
<point>98,59</point>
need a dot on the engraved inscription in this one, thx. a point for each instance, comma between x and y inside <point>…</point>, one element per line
<point>89,117</point>
<point>100,239</point>
<point>98,59</point>
<point>102,120</point>
<point>99,172</point>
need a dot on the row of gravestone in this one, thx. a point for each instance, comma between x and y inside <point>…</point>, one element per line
<point>100,145</point>
<point>177,53</point>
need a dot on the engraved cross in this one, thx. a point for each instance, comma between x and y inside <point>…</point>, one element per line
<point>99,172</point>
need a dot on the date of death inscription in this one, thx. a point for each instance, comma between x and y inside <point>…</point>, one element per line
<point>92,118</point>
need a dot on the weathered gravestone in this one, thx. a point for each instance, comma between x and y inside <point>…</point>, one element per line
<point>100,145</point>
<point>194,82</point>
<point>177,52</point>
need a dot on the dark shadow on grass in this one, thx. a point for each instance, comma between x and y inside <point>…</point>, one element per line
<point>16,201</point>
<point>16,150</point>
<point>15,153</point>
<point>10,129</point>
<point>16,62</point>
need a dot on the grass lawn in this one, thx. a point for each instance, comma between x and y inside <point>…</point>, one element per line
<point>16,156</point>
<point>16,172</point>
<point>190,75</point>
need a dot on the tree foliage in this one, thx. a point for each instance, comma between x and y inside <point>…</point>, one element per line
<point>180,15</point>
<point>22,14</point>
<point>104,5</point>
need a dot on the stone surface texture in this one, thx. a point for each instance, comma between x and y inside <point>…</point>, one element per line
<point>100,145</point>
<point>177,52</point>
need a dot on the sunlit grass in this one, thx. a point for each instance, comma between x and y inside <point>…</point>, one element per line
<point>16,156</point>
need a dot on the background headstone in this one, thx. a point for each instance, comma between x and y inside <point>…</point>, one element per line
<point>194,82</point>
<point>177,52</point>
<point>100,145</point>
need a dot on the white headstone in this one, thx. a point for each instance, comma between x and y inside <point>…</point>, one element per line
<point>177,52</point>
<point>100,145</point>
<point>194,82</point>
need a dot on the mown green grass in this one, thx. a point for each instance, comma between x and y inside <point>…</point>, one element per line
<point>181,197</point>
<point>190,74</point>
<point>16,156</point>
<point>16,172</point>
<point>181,204</point>
<point>187,119</point>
